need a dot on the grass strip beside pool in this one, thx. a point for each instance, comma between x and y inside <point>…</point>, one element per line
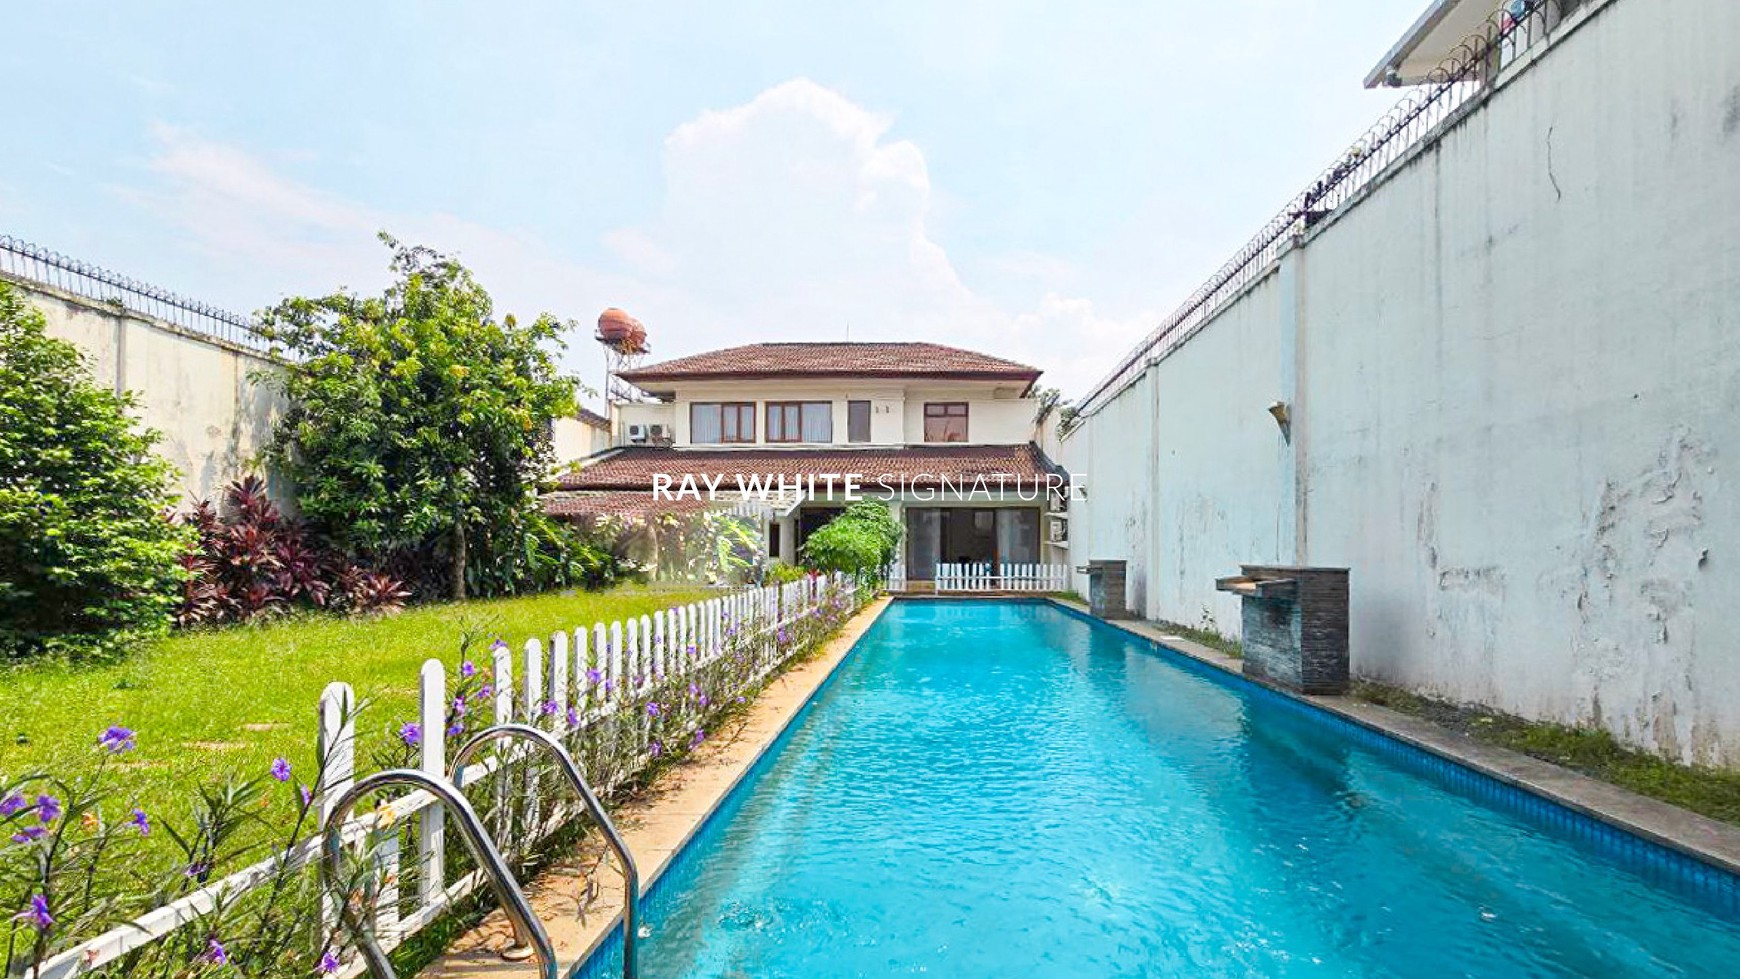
<point>233,699</point>
<point>1709,792</point>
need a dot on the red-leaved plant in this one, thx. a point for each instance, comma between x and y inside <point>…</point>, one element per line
<point>252,560</point>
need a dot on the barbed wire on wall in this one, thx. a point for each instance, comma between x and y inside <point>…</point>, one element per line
<point>32,263</point>
<point>1509,33</point>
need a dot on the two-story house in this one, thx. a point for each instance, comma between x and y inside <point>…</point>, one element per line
<point>945,436</point>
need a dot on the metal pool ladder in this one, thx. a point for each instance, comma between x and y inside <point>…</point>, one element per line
<point>528,930</point>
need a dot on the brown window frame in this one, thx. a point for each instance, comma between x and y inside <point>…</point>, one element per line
<point>852,433</point>
<point>744,410</point>
<point>797,432</point>
<point>944,412</point>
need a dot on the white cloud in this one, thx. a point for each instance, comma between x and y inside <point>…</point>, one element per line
<point>788,217</point>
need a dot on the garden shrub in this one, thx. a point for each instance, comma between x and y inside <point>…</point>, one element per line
<point>88,556</point>
<point>251,560</point>
<point>539,553</point>
<point>861,541</point>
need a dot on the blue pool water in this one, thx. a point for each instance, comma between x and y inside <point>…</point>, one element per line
<point>992,789</point>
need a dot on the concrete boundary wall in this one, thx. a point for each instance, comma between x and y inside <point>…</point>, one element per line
<point>197,390</point>
<point>1512,367</point>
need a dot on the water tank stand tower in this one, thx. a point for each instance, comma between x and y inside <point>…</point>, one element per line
<point>624,341</point>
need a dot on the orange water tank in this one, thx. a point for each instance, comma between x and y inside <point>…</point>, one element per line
<point>622,331</point>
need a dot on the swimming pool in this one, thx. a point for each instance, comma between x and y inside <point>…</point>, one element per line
<point>1001,789</point>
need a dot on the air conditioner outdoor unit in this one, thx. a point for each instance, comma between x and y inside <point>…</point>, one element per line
<point>637,433</point>
<point>658,433</point>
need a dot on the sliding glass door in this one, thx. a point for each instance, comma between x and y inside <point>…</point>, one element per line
<point>969,535</point>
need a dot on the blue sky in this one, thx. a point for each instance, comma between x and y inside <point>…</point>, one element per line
<point>1043,181</point>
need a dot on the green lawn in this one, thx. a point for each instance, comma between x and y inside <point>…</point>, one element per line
<point>210,702</point>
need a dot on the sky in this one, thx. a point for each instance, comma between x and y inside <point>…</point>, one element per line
<point>1044,182</point>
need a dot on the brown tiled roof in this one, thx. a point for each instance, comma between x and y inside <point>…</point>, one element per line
<point>593,418</point>
<point>614,503</point>
<point>834,360</point>
<point>919,465</point>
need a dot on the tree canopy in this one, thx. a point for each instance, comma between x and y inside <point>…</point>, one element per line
<point>419,420</point>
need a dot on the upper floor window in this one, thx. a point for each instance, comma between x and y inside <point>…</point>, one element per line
<point>945,421</point>
<point>857,421</point>
<point>715,422</point>
<point>800,421</point>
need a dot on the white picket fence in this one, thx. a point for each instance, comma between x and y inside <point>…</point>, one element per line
<point>552,677</point>
<point>1002,577</point>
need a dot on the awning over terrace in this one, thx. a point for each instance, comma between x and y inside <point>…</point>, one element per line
<point>925,466</point>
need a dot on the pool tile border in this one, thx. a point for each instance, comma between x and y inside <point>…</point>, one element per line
<point>1693,854</point>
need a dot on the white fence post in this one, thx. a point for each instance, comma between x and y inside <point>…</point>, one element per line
<point>503,664</point>
<point>432,823</point>
<point>646,660</point>
<point>582,663</point>
<point>559,680</point>
<point>336,747</point>
<point>615,676</point>
<point>534,714</point>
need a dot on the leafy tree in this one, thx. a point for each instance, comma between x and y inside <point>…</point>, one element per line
<point>420,422</point>
<point>861,541</point>
<point>88,557</point>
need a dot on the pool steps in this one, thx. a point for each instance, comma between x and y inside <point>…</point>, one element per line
<point>532,939</point>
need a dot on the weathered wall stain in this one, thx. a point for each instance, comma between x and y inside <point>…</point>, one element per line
<point>1633,591</point>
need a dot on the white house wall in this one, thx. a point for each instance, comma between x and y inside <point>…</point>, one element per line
<point>995,415</point>
<point>1514,373</point>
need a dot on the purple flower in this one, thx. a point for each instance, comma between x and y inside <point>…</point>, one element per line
<point>280,769</point>
<point>657,748</point>
<point>499,646</point>
<point>216,954</point>
<point>573,717</point>
<point>700,736</point>
<point>47,808</point>
<point>467,669</point>
<point>197,869</point>
<point>117,739</point>
<point>608,684</point>
<point>459,706</point>
<point>594,676</point>
<point>782,637</point>
<point>140,822</point>
<point>486,691</point>
<point>37,913</point>
<point>704,700</point>
<point>29,833</point>
<point>548,708</point>
<point>307,794</point>
<point>652,708</point>
<point>329,963</point>
<point>455,729</point>
<point>11,805</point>
<point>411,733</point>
